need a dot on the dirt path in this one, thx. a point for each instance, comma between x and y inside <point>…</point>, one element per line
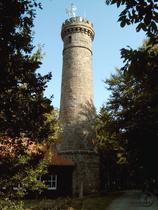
<point>130,201</point>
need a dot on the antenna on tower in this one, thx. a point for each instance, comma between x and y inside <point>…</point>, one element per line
<point>71,11</point>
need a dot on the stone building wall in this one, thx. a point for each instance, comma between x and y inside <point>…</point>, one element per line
<point>77,113</point>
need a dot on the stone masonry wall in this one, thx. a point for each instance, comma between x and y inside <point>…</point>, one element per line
<point>86,172</point>
<point>77,113</point>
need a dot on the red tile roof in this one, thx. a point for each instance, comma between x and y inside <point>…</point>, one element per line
<point>50,153</point>
<point>58,160</point>
<point>55,159</point>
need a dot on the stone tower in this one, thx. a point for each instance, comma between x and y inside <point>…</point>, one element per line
<point>77,113</point>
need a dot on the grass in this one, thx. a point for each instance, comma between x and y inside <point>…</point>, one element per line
<point>93,202</point>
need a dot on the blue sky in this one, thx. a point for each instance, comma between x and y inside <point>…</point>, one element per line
<point>109,39</point>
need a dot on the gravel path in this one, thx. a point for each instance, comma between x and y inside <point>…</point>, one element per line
<point>130,201</point>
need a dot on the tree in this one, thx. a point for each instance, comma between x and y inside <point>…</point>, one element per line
<point>136,111</point>
<point>53,119</point>
<point>22,102</point>
<point>133,107</point>
<point>23,106</point>
<point>110,151</point>
<point>144,13</point>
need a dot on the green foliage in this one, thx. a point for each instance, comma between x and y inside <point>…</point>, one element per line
<point>8,204</point>
<point>143,13</point>
<point>94,202</point>
<point>20,168</point>
<point>133,103</point>
<point>22,101</point>
<point>23,107</point>
<point>134,109</point>
<point>53,120</point>
<point>106,140</point>
<point>111,150</point>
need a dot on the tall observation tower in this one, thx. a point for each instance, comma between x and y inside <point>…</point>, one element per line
<point>77,113</point>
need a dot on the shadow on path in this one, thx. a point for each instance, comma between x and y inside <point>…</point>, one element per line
<point>130,201</point>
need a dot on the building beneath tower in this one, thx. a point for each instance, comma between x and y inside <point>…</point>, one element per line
<point>77,113</point>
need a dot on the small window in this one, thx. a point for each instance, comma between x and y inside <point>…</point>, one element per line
<point>49,180</point>
<point>19,187</point>
<point>70,39</point>
<point>52,182</point>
